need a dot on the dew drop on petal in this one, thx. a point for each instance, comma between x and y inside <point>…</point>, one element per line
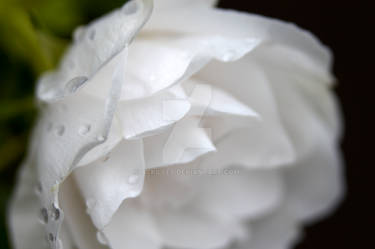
<point>55,212</point>
<point>90,204</point>
<point>74,84</point>
<point>60,130</point>
<point>228,56</point>
<point>100,138</point>
<point>51,237</point>
<point>133,179</point>
<point>130,8</point>
<point>84,129</point>
<point>44,215</point>
<point>102,238</point>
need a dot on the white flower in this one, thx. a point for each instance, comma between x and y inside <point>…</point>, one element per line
<point>209,129</point>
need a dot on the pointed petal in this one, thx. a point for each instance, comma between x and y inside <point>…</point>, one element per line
<point>94,47</point>
<point>132,228</point>
<point>106,184</point>
<point>172,58</point>
<point>62,146</point>
<point>219,102</point>
<point>149,116</point>
<point>77,220</point>
<point>263,142</point>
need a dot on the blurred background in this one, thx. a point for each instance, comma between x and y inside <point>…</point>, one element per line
<point>34,34</point>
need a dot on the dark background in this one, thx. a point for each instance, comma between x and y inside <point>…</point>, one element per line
<point>346,27</point>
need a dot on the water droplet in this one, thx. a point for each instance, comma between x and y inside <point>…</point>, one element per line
<point>100,138</point>
<point>92,34</point>
<point>55,212</point>
<point>74,84</point>
<point>130,8</point>
<point>228,55</point>
<point>102,238</point>
<point>44,215</point>
<point>84,129</point>
<point>51,237</point>
<point>133,179</point>
<point>60,130</point>
<point>90,204</point>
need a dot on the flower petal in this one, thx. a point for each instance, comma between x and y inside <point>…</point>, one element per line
<point>78,222</point>
<point>94,47</point>
<point>239,193</point>
<point>106,184</point>
<point>62,144</point>
<point>26,228</point>
<point>216,102</point>
<point>171,59</point>
<point>304,123</point>
<point>277,231</point>
<point>315,184</point>
<point>173,5</point>
<point>263,142</point>
<point>199,230</point>
<point>100,151</point>
<point>132,228</point>
<point>148,116</point>
<point>234,24</point>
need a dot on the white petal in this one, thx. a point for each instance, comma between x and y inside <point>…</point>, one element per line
<point>162,61</point>
<point>132,228</point>
<point>277,231</point>
<point>100,151</point>
<point>94,47</point>
<point>239,193</point>
<point>315,184</point>
<point>232,24</point>
<point>78,222</point>
<point>306,121</point>
<point>168,187</point>
<point>187,228</point>
<point>106,184</point>
<point>62,146</point>
<point>264,142</point>
<point>173,5</point>
<point>218,102</point>
<point>186,142</point>
<point>147,116</point>
<point>26,229</point>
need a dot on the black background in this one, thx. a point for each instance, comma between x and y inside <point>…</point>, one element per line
<point>346,27</point>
